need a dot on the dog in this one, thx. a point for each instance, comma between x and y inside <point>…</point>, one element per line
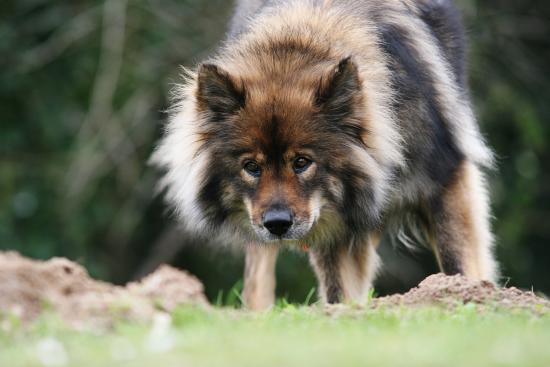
<point>323,124</point>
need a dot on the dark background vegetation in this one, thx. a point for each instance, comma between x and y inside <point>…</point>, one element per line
<point>83,84</point>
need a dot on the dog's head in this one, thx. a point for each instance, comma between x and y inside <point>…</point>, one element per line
<point>285,150</point>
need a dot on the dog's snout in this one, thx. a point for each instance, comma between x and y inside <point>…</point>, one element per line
<point>277,220</point>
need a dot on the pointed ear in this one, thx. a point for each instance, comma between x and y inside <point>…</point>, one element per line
<point>218,92</point>
<point>338,89</point>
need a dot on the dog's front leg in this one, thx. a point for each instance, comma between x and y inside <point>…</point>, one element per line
<point>259,276</point>
<point>345,273</point>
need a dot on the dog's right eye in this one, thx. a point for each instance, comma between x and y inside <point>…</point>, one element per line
<point>252,168</point>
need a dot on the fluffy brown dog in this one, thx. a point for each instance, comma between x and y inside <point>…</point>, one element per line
<point>325,123</point>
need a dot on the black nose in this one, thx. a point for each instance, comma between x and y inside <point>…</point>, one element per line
<point>277,221</point>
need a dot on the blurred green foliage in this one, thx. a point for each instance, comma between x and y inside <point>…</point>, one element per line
<point>83,87</point>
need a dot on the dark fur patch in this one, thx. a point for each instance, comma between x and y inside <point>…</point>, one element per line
<point>328,265</point>
<point>429,145</point>
<point>218,93</point>
<point>445,22</point>
<point>358,197</point>
<point>210,196</point>
<point>338,94</point>
<point>289,46</point>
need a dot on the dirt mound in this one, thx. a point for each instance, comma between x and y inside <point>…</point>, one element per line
<point>449,291</point>
<point>28,287</point>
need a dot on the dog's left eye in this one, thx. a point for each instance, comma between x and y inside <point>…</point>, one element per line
<point>301,164</point>
<point>253,168</point>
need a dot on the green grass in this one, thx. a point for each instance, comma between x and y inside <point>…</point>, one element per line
<point>291,336</point>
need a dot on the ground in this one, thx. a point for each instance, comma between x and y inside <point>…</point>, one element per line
<point>446,321</point>
<point>292,336</point>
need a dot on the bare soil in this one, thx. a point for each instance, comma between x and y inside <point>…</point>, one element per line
<point>450,291</point>
<point>28,287</point>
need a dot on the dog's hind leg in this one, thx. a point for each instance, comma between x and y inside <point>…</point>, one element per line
<point>259,276</point>
<point>460,230</point>
<point>345,273</point>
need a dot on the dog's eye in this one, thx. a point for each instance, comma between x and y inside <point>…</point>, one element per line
<point>252,168</point>
<point>301,164</point>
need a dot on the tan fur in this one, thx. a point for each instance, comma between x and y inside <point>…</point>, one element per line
<point>259,277</point>
<point>464,224</point>
<point>322,276</point>
<point>358,266</point>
